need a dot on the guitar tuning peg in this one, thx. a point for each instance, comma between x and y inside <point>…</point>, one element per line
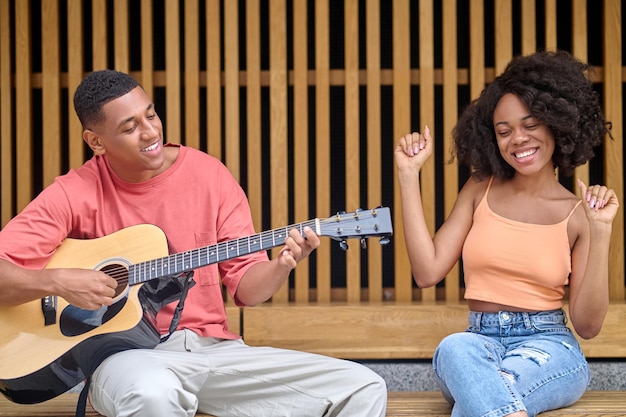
<point>343,245</point>
<point>384,240</point>
<point>363,243</point>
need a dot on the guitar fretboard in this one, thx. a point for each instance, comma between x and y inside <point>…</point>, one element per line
<point>196,258</point>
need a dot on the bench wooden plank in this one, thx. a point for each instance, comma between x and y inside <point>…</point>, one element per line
<point>355,331</point>
<point>393,330</point>
<point>432,404</point>
<point>400,404</point>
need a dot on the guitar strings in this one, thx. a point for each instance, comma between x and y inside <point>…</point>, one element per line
<point>267,240</point>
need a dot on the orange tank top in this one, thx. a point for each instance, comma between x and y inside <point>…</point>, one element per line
<point>513,263</point>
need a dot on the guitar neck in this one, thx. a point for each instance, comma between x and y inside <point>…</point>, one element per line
<point>197,258</point>
<point>358,224</point>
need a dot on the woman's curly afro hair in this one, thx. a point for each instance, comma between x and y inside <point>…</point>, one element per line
<point>555,88</point>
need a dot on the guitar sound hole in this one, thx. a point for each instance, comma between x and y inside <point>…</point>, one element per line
<point>120,273</point>
<point>75,321</point>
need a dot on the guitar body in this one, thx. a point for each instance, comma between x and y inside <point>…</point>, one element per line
<point>39,362</point>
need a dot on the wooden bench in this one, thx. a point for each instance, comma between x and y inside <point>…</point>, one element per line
<point>400,404</point>
<point>388,330</point>
<point>378,331</point>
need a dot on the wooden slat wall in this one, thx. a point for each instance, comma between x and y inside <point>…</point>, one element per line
<point>288,106</point>
<point>352,137</point>
<point>6,119</point>
<point>278,123</point>
<point>450,97</point>
<point>374,180</point>
<point>427,112</point>
<point>579,49</point>
<point>301,136</point>
<point>74,75</point>
<point>401,125</point>
<point>614,156</point>
<point>322,140</point>
<point>23,104</point>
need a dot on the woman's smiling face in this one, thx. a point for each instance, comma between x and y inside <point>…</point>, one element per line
<point>525,143</point>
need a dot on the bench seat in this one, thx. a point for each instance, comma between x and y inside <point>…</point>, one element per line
<point>388,330</point>
<point>400,404</point>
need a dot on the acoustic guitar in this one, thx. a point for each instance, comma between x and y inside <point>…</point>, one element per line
<point>49,346</point>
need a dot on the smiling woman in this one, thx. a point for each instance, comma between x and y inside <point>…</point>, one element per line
<point>523,238</point>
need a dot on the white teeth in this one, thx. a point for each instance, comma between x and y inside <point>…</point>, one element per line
<point>525,153</point>
<point>150,148</point>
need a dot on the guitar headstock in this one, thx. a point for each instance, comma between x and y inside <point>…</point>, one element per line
<point>360,224</point>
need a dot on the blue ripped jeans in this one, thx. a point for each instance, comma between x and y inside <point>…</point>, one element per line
<point>507,362</point>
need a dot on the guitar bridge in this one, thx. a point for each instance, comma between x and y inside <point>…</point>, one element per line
<point>49,309</point>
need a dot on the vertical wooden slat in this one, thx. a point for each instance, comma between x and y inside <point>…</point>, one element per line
<point>477,48</point>
<point>352,137</point>
<point>373,117</point>
<point>147,45</point>
<point>121,36</point>
<point>450,115</point>
<point>231,90</point>
<point>231,87</point>
<point>550,30</point>
<point>579,29</point>
<point>301,136</point>
<point>253,113</point>
<point>51,94</point>
<point>214,78</point>
<point>23,104</point>
<point>503,34</point>
<point>427,115</point>
<point>278,124</point>
<point>529,27</point>
<point>172,71</point>
<point>613,149</point>
<point>579,50</point>
<point>322,141</point>
<point>75,55</point>
<point>192,74</point>
<point>401,126</point>
<point>6,117</point>
<point>551,23</point>
<point>99,34</point>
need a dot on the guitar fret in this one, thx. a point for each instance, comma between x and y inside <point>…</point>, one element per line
<point>185,265</point>
<point>165,264</point>
<point>223,247</point>
<point>203,252</point>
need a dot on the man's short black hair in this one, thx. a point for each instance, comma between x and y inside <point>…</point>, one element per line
<point>97,89</point>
